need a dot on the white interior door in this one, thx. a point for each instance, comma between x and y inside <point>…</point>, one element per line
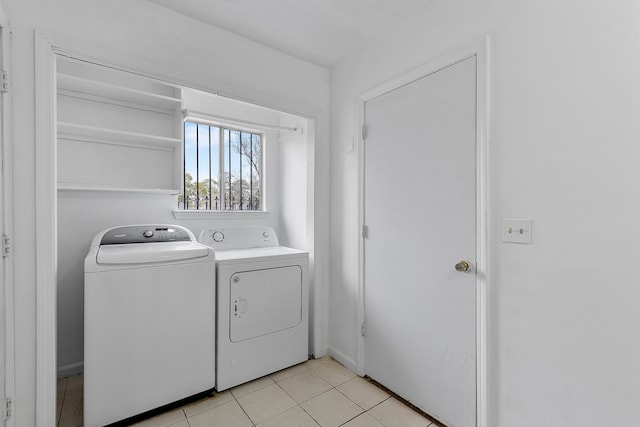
<point>420,213</point>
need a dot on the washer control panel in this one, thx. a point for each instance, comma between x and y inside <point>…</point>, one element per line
<point>145,234</point>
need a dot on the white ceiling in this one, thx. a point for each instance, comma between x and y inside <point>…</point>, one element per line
<point>318,31</point>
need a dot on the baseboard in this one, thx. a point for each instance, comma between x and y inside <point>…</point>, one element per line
<point>347,361</point>
<point>320,353</point>
<point>70,370</point>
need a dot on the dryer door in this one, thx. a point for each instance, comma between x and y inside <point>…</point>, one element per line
<point>264,301</point>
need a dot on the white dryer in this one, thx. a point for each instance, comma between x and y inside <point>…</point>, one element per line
<point>263,304</point>
<point>149,312</point>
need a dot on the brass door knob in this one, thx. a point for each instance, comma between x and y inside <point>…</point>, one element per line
<point>463,266</point>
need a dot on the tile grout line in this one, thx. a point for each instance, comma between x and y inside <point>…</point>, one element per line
<point>377,404</point>
<point>185,416</point>
<point>363,410</point>
<point>299,405</point>
<point>310,416</point>
<point>431,423</point>
<point>302,407</point>
<point>284,391</point>
<point>380,403</point>
<point>241,407</point>
<point>290,397</point>
<point>64,398</point>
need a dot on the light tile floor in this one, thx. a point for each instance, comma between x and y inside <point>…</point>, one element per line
<point>316,393</point>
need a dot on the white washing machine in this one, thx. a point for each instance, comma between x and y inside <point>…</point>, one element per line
<point>263,304</point>
<point>149,312</point>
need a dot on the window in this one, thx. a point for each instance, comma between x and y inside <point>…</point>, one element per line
<point>222,169</point>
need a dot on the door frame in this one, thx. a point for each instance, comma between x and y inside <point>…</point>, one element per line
<point>6,196</point>
<point>480,50</point>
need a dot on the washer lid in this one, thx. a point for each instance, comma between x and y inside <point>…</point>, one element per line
<point>143,253</point>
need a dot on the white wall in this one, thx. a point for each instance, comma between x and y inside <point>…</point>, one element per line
<point>81,215</point>
<point>296,201</point>
<point>565,100</point>
<point>181,47</point>
<point>293,165</point>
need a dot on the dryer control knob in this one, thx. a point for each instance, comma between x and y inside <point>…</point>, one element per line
<point>265,234</point>
<point>217,236</point>
<point>147,233</point>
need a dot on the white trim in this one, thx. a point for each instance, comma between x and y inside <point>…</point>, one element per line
<point>46,227</point>
<point>100,135</point>
<point>482,208</point>
<point>316,238</point>
<point>341,357</point>
<point>479,49</point>
<point>67,186</point>
<point>208,119</point>
<point>360,309</point>
<point>430,67</point>
<point>46,47</point>
<point>7,225</point>
<point>208,214</point>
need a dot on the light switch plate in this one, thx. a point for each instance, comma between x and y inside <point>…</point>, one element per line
<point>516,231</point>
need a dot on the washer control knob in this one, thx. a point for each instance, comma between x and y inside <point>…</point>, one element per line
<point>217,236</point>
<point>265,234</point>
<point>147,233</point>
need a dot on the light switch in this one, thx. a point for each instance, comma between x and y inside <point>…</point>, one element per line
<point>516,231</point>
